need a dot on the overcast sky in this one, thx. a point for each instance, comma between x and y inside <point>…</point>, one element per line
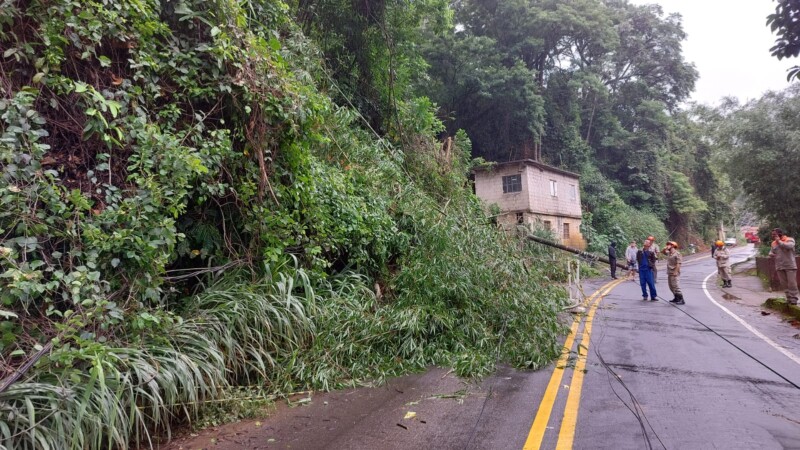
<point>728,42</point>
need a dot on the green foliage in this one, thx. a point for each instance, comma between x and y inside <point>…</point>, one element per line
<point>684,199</point>
<point>761,150</point>
<point>185,213</point>
<point>784,24</point>
<point>608,218</point>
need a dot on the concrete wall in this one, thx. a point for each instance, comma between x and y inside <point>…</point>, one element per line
<point>489,188</point>
<point>566,202</point>
<point>535,196</point>
<point>509,223</point>
<point>535,202</point>
<point>766,267</point>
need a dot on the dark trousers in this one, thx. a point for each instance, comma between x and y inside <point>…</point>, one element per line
<point>646,281</point>
<point>613,267</point>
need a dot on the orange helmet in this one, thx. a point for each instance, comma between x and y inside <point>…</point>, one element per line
<point>673,243</point>
<point>651,238</point>
<point>719,244</point>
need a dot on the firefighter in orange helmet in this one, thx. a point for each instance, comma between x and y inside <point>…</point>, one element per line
<point>674,260</point>
<point>723,263</point>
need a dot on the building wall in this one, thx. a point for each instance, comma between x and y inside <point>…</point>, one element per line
<point>566,202</point>
<point>509,222</point>
<point>535,196</point>
<point>535,202</point>
<point>489,188</point>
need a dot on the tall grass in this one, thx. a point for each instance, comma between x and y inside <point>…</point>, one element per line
<point>106,396</point>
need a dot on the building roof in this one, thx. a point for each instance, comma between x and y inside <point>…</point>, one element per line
<point>527,162</point>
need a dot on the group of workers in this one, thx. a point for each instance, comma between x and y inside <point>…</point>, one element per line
<point>644,262</point>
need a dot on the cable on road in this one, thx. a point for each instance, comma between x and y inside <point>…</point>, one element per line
<point>734,345</point>
<point>636,409</point>
<point>491,388</point>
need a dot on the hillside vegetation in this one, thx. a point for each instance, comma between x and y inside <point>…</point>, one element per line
<point>195,210</point>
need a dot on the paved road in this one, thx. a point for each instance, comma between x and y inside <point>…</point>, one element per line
<point>711,374</point>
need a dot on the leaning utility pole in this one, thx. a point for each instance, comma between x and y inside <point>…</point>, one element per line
<point>576,251</point>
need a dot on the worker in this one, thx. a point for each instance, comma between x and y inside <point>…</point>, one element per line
<point>723,263</point>
<point>630,255</point>
<point>646,259</point>
<point>674,260</point>
<point>782,252</point>
<point>612,259</point>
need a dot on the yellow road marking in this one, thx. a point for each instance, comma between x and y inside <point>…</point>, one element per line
<point>536,434</point>
<point>566,435</point>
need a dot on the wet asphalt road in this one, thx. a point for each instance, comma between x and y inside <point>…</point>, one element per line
<point>653,375</point>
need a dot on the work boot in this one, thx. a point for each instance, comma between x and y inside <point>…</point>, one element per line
<point>680,300</point>
<point>653,299</point>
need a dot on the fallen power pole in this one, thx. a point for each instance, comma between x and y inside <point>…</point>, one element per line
<point>575,250</point>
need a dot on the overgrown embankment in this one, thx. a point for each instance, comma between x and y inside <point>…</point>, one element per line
<point>184,212</point>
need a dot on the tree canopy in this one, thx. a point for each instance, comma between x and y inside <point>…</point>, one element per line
<point>785,23</point>
<point>762,152</point>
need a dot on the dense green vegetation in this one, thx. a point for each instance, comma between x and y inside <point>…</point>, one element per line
<point>185,211</point>
<point>207,201</point>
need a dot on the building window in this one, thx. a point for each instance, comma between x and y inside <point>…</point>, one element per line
<point>512,183</point>
<point>566,231</point>
<point>553,188</point>
<point>548,225</point>
<point>520,218</point>
<point>573,192</point>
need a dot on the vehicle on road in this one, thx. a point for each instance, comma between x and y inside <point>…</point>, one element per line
<point>730,242</point>
<point>751,237</point>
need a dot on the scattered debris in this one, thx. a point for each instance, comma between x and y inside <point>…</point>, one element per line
<point>764,313</point>
<point>796,336</point>
<point>578,310</point>
<point>302,401</point>
<point>458,395</point>
<point>402,426</point>
<point>410,415</point>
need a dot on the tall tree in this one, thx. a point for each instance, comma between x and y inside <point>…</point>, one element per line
<point>497,104</point>
<point>372,49</point>
<point>764,154</point>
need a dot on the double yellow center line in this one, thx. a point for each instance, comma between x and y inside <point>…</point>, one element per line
<point>570,419</point>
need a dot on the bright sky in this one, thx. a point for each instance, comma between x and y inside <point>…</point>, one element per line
<point>728,42</point>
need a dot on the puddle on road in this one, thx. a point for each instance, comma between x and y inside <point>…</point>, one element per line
<point>730,297</point>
